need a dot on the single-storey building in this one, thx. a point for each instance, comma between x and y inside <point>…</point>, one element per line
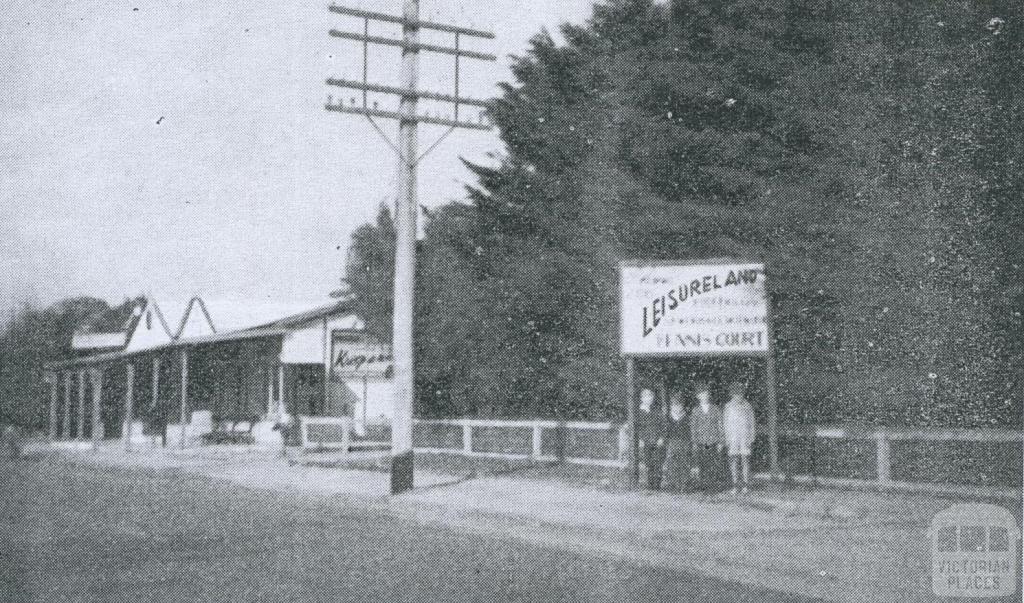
<point>180,373</point>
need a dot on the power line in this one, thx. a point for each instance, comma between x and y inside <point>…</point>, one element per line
<point>406,148</point>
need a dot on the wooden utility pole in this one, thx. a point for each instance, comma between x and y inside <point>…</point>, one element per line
<point>407,150</point>
<point>405,261</point>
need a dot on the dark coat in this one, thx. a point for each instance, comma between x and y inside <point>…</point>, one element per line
<point>650,426</point>
<point>678,431</point>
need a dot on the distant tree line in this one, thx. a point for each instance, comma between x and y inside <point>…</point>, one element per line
<point>869,153</point>
<point>33,337</point>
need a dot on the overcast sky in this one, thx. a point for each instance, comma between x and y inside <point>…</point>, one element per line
<point>182,147</point>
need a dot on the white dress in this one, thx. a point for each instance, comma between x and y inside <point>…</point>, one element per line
<point>738,424</point>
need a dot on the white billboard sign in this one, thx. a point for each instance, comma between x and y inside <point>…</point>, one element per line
<point>693,309</point>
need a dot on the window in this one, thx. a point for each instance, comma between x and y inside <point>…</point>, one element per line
<point>998,539</point>
<point>972,539</point>
<point>947,539</point>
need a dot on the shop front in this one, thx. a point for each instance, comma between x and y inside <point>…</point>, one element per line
<point>194,386</point>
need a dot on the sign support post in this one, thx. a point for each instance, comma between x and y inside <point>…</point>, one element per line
<point>634,453</point>
<point>773,405</point>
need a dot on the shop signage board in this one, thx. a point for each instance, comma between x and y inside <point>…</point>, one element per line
<point>359,357</point>
<point>687,309</point>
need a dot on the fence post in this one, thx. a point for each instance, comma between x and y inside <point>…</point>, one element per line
<point>467,438</point>
<point>345,436</point>
<point>537,439</point>
<point>303,433</point>
<point>883,457</point>
<point>624,442</point>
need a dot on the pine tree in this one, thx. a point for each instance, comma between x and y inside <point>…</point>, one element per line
<point>861,151</point>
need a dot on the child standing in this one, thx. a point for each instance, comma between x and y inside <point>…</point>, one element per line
<point>738,424</point>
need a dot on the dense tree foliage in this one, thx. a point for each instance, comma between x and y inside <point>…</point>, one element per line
<point>34,337</point>
<point>868,154</point>
<point>370,270</point>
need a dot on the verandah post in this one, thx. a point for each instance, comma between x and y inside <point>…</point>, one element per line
<point>97,396</point>
<point>270,392</point>
<point>129,403</point>
<point>52,378</point>
<point>282,405</point>
<point>80,428</point>
<point>184,392</point>
<point>65,428</point>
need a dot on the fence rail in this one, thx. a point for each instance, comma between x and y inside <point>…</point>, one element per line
<point>339,433</point>
<point>325,433</point>
<point>541,440</point>
<point>930,434</point>
<point>926,459</point>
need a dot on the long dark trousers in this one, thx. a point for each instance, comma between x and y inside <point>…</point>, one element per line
<point>677,466</point>
<point>654,460</point>
<point>710,467</point>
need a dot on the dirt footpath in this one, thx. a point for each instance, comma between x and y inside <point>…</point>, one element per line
<point>833,544</point>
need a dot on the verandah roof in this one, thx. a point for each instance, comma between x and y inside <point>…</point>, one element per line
<point>109,357</point>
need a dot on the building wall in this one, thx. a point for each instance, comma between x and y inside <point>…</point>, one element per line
<point>306,345</point>
<point>233,380</point>
<point>371,399</point>
<point>303,353</point>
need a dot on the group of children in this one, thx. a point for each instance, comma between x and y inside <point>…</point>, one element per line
<point>683,449</point>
